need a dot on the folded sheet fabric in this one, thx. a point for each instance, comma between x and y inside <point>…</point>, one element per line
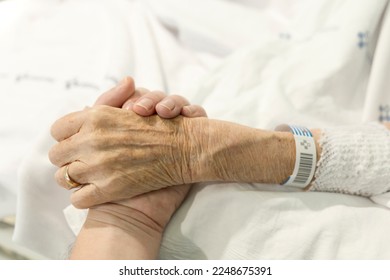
<point>313,63</point>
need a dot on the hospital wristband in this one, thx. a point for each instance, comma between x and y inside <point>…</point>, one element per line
<point>306,156</point>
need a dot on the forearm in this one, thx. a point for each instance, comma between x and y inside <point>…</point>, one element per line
<point>117,233</point>
<point>243,154</point>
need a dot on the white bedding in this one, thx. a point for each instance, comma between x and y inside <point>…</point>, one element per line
<point>259,63</point>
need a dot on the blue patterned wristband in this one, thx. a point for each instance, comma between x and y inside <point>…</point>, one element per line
<point>306,156</point>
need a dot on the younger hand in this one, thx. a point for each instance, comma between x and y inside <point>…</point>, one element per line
<point>128,229</point>
<point>147,103</point>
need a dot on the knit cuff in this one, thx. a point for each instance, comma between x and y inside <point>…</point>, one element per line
<point>354,160</point>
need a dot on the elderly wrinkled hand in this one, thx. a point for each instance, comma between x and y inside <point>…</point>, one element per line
<point>116,154</point>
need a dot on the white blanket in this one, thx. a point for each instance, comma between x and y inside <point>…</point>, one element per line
<point>314,63</point>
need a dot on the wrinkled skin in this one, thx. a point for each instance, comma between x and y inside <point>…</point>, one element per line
<point>117,154</point>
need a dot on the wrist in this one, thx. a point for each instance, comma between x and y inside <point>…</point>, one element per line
<point>125,218</point>
<point>113,232</point>
<point>232,152</point>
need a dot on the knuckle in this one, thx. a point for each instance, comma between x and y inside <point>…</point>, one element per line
<point>59,179</point>
<point>157,94</point>
<point>179,98</point>
<point>199,111</point>
<point>53,131</point>
<point>137,95</point>
<point>202,112</point>
<point>93,117</point>
<point>97,117</point>
<point>140,92</point>
<point>77,202</point>
<point>53,155</point>
<point>57,176</point>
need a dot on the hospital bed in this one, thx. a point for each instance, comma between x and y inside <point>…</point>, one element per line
<point>306,62</point>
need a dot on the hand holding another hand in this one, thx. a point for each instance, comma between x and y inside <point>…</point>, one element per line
<point>116,154</point>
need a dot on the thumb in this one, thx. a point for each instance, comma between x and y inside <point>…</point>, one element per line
<point>118,95</point>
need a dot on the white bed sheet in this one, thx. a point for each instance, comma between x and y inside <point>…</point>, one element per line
<point>308,62</point>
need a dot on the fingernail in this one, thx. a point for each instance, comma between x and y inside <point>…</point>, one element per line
<point>169,104</point>
<point>146,103</point>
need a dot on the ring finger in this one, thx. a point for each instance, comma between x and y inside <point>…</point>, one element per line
<point>72,175</point>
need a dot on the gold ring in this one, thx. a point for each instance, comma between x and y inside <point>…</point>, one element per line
<point>69,181</point>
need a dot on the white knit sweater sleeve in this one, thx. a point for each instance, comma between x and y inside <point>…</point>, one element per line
<point>354,160</point>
